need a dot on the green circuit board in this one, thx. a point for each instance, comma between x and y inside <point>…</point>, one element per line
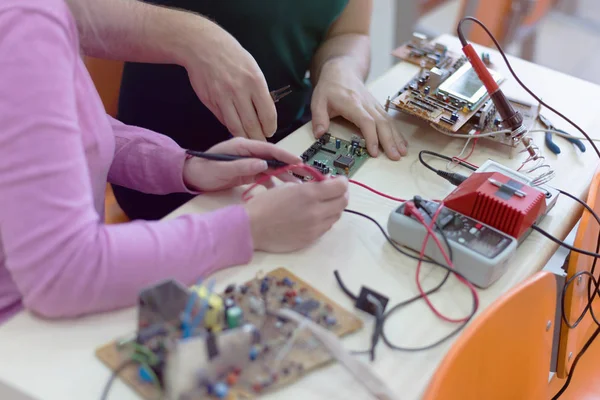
<point>334,156</point>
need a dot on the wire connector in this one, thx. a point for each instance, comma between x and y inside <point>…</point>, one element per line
<point>452,177</point>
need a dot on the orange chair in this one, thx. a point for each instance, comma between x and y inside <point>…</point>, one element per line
<point>584,381</point>
<point>508,20</point>
<point>107,75</point>
<point>505,352</point>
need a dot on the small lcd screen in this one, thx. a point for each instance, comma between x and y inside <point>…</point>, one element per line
<point>467,85</point>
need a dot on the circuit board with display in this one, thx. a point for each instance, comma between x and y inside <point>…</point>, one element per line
<point>335,156</point>
<point>447,93</point>
<point>239,349</point>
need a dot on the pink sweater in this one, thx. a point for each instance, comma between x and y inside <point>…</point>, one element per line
<point>58,148</point>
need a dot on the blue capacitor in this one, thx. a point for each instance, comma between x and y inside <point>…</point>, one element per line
<point>220,389</point>
<point>330,320</point>
<point>287,281</point>
<point>338,143</point>
<point>145,375</point>
<point>264,286</point>
<point>253,353</point>
<point>298,300</point>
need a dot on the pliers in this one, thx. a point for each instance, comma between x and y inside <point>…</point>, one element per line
<point>550,143</point>
<point>279,94</point>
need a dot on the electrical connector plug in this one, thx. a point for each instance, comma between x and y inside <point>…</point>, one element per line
<point>452,177</point>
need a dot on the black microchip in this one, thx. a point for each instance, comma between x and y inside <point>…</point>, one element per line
<point>344,162</point>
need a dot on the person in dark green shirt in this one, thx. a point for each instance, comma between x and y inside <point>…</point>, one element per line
<point>209,76</point>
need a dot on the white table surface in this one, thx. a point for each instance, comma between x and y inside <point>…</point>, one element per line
<point>55,360</point>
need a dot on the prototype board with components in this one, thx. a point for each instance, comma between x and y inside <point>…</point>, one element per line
<point>240,350</point>
<point>335,156</point>
<point>447,93</point>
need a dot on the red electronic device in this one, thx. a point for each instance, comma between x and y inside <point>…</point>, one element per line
<point>499,201</point>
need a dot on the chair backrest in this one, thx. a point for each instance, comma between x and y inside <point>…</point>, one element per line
<point>505,352</point>
<point>106,75</point>
<point>502,17</point>
<point>572,340</point>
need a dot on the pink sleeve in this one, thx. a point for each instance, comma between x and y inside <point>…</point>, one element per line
<point>63,259</point>
<point>146,161</point>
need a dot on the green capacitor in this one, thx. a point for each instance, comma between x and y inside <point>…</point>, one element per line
<point>234,317</point>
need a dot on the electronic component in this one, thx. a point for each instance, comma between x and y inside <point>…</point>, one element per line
<point>447,94</point>
<point>466,86</point>
<point>162,303</point>
<point>499,201</point>
<point>234,317</point>
<point>186,356</point>
<point>344,162</point>
<point>480,252</point>
<point>213,317</point>
<point>363,303</point>
<point>324,156</point>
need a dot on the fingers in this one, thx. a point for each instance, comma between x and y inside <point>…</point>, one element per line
<point>386,137</point>
<point>335,207</point>
<point>266,111</point>
<point>401,142</point>
<point>320,115</point>
<point>367,125</point>
<point>329,189</point>
<point>243,168</point>
<point>249,119</point>
<point>232,119</point>
<point>262,150</point>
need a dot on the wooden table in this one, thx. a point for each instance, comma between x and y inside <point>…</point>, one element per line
<point>59,356</point>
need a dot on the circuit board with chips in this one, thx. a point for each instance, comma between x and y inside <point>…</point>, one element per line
<point>334,156</point>
<point>239,347</point>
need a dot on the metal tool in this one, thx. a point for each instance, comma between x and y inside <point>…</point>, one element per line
<point>550,143</point>
<point>279,94</point>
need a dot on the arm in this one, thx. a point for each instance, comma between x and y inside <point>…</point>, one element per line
<point>131,30</point>
<point>347,42</point>
<point>338,71</point>
<point>64,261</point>
<point>146,161</point>
<point>224,75</point>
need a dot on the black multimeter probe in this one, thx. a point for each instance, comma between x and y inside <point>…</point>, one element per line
<point>230,157</point>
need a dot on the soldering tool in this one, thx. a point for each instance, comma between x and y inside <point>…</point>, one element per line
<point>511,119</point>
<point>230,157</point>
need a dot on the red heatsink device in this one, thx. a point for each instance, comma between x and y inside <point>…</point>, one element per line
<point>499,201</point>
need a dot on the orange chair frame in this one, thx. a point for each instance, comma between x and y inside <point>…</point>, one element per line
<point>505,353</point>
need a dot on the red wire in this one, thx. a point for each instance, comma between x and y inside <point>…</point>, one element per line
<point>317,176</point>
<point>430,232</point>
<point>387,196</point>
<point>470,153</point>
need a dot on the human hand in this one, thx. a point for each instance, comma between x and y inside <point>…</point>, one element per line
<point>340,92</point>
<point>207,175</point>
<point>291,216</point>
<point>231,85</point>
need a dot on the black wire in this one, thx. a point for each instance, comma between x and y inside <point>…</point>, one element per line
<point>344,287</point>
<point>114,376</point>
<point>443,157</point>
<point>415,298</point>
<point>570,375</point>
<point>565,245</point>
<point>230,157</point>
<point>378,324</point>
<point>568,283</point>
<point>464,43</point>
<point>591,294</point>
